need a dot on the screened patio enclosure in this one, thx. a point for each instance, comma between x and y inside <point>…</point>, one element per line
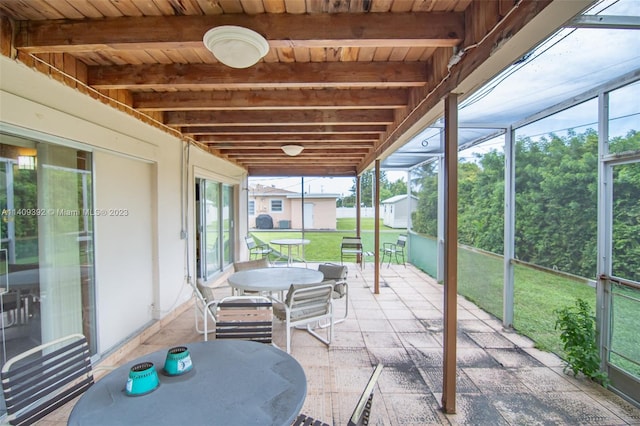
<point>585,78</point>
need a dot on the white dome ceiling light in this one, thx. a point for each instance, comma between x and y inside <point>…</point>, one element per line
<point>292,150</point>
<point>236,47</point>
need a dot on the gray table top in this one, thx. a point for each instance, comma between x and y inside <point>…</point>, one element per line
<point>273,279</point>
<point>290,241</point>
<point>233,382</point>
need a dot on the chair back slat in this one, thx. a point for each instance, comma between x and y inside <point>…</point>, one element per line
<point>308,302</point>
<point>250,242</point>
<point>38,381</point>
<point>245,318</point>
<point>263,262</point>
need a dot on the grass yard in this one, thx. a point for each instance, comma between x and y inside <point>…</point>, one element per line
<point>538,294</point>
<point>325,245</point>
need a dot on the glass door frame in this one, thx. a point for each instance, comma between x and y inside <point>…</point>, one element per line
<point>621,382</point>
<point>225,207</point>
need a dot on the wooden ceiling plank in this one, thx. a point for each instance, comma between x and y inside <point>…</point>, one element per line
<point>365,137</point>
<point>274,6</point>
<point>87,9</point>
<point>299,99</point>
<point>333,147</point>
<point>381,5</point>
<point>298,170</point>
<point>14,8</point>
<point>252,7</point>
<point>282,30</point>
<point>51,12</point>
<point>106,8</point>
<point>149,8</point>
<point>284,130</point>
<point>127,8</point>
<point>261,157</point>
<point>295,6</point>
<point>185,7</point>
<point>208,76</point>
<point>231,6</point>
<point>277,118</point>
<point>209,7</point>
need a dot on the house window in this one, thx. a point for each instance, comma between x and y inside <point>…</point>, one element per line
<point>276,206</point>
<point>252,207</point>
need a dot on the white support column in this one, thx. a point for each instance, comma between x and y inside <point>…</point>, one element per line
<point>605,218</point>
<point>440,237</point>
<point>509,228</point>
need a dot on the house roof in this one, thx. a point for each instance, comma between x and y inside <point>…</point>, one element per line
<point>272,191</point>
<point>315,195</point>
<point>397,198</point>
<point>269,191</point>
<point>350,81</point>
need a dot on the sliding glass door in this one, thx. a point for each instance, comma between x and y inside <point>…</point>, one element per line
<point>47,271</point>
<point>214,222</point>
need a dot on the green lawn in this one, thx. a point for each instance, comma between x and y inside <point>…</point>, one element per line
<point>537,293</point>
<point>324,246</point>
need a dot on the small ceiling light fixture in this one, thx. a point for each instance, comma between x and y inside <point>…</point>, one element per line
<point>236,47</point>
<point>26,162</point>
<point>292,150</point>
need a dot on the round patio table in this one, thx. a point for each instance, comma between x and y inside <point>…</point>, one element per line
<point>289,243</point>
<point>232,382</point>
<point>277,279</point>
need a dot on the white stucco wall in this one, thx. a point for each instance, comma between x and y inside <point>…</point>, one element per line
<point>136,164</point>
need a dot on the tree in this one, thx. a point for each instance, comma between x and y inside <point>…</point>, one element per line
<point>556,203</point>
<point>387,189</point>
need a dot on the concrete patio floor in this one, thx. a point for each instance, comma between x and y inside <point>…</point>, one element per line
<point>502,378</point>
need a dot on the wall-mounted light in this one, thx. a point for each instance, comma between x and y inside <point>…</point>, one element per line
<point>26,162</point>
<point>292,150</point>
<point>236,47</point>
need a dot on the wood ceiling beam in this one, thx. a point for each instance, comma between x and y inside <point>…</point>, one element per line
<point>364,137</point>
<point>272,75</point>
<point>281,30</point>
<point>261,158</point>
<point>271,149</point>
<point>271,100</point>
<point>284,130</point>
<point>302,170</point>
<point>277,118</point>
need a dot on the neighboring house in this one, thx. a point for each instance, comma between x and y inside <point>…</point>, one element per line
<point>285,209</point>
<point>396,210</point>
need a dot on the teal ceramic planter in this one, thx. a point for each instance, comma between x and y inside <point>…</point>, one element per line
<point>178,361</point>
<point>143,378</point>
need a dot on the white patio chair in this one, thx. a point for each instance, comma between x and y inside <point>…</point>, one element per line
<point>306,305</point>
<point>338,273</point>
<point>204,296</point>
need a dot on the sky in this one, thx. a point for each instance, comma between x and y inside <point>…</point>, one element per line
<point>320,185</point>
